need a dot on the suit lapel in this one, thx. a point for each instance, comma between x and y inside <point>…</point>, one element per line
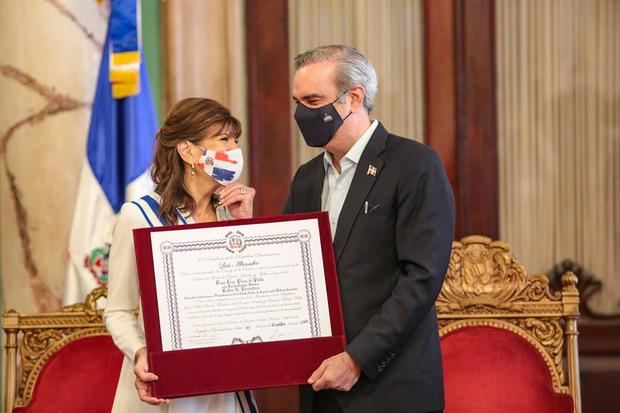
<point>362,183</point>
<point>317,187</point>
<point>312,198</point>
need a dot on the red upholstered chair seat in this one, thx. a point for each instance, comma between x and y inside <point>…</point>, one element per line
<point>80,377</point>
<point>493,370</point>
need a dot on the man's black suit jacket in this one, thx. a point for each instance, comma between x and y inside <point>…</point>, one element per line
<point>391,265</point>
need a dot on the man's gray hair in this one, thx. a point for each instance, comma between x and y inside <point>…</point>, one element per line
<point>353,68</point>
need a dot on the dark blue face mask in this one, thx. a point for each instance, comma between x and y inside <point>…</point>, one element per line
<point>318,125</point>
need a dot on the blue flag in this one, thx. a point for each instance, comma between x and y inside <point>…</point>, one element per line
<point>118,153</point>
<point>121,134</point>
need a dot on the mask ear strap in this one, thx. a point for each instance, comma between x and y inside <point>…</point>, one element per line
<point>338,98</point>
<point>341,95</point>
<point>198,146</point>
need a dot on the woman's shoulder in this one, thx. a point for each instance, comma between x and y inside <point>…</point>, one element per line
<point>130,216</point>
<point>137,213</point>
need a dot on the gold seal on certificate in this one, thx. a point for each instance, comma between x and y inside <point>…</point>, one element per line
<point>226,285</point>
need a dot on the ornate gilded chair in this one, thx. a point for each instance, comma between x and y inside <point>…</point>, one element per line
<point>60,362</point>
<point>509,344</point>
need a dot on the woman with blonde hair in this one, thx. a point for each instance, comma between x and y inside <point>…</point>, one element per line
<point>195,168</point>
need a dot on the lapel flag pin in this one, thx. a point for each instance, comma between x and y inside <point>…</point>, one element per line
<point>371,170</point>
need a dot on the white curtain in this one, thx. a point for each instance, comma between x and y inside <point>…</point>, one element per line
<point>389,33</point>
<point>558,88</point>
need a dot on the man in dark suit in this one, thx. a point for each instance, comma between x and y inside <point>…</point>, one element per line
<point>391,211</point>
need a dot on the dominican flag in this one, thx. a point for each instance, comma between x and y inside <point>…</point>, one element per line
<point>118,153</point>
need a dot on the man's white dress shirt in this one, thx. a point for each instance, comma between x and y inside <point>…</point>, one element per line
<point>336,185</point>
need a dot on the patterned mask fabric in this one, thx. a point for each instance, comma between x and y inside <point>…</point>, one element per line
<point>225,167</point>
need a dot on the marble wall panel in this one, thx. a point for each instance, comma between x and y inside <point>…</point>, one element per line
<point>49,59</point>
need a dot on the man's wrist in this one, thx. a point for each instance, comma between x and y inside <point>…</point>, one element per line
<point>351,361</point>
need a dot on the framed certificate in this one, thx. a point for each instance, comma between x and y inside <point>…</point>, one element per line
<point>238,305</point>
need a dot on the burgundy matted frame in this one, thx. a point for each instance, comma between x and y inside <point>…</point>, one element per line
<point>222,369</point>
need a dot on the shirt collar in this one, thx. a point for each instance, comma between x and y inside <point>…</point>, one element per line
<point>355,153</point>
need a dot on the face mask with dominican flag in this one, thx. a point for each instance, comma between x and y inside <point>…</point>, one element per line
<point>225,167</point>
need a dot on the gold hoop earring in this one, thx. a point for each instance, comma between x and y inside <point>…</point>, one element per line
<point>193,168</point>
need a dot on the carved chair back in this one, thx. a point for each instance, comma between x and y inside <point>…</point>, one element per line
<point>498,324</point>
<point>63,361</point>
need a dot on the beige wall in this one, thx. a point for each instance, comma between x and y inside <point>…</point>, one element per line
<point>49,58</point>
